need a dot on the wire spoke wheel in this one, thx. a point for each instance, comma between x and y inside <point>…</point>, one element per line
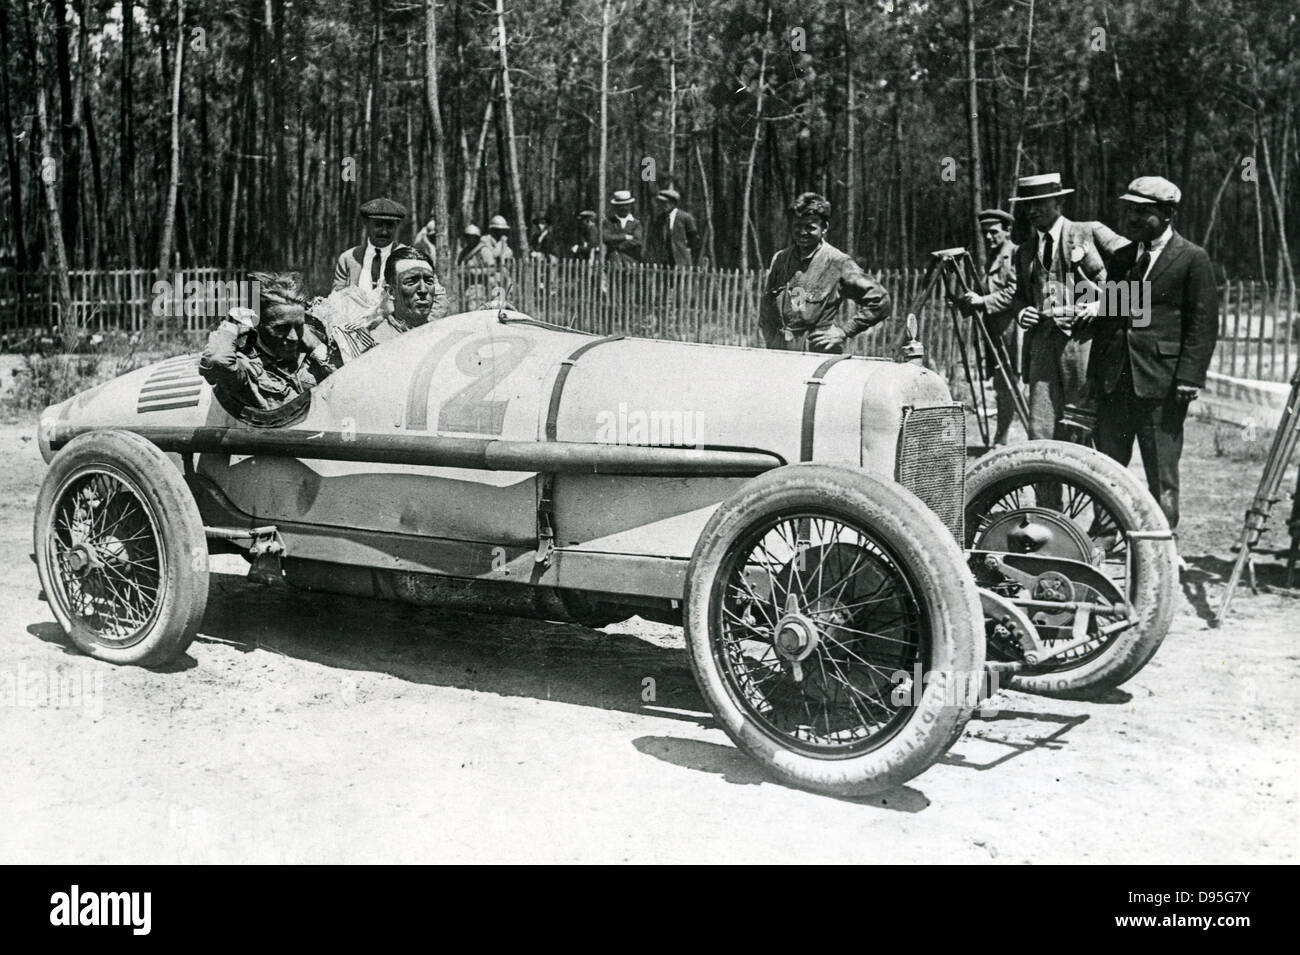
<point>820,631</point>
<point>833,628</point>
<point>1059,500</point>
<point>120,549</point>
<point>107,556</point>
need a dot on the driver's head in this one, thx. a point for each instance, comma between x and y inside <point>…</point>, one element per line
<point>282,310</point>
<point>411,280</point>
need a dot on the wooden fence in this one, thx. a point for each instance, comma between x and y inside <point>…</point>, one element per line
<point>1259,331</point>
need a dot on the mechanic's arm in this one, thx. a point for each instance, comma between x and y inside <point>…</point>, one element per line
<point>1000,297</point>
<point>872,298</point>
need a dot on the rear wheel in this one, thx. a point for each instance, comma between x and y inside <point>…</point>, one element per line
<point>1100,514</point>
<point>120,549</point>
<point>834,629</point>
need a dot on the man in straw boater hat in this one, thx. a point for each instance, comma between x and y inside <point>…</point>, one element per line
<point>999,317</point>
<point>1149,359</point>
<point>624,233</point>
<point>1059,271</point>
<point>363,265</point>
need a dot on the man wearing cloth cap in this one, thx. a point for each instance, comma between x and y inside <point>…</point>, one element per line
<point>1149,360</point>
<point>999,317</point>
<point>1059,270</point>
<point>679,236</point>
<point>808,300</point>
<point>623,230</point>
<point>363,265</point>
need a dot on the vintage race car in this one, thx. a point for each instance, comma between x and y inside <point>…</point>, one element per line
<point>844,583</point>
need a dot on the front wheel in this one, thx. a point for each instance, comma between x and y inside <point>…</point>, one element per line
<point>834,629</point>
<point>1099,514</point>
<point>120,549</point>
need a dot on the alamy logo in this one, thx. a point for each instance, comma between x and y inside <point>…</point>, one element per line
<point>102,908</point>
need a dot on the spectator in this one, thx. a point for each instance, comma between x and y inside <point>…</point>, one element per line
<point>679,236</point>
<point>363,265</point>
<point>588,236</point>
<point>624,233</point>
<point>811,285</point>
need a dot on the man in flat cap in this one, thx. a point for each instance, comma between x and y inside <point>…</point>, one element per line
<point>363,265</point>
<point>816,297</point>
<point>1149,359</point>
<point>679,237</point>
<point>999,317</point>
<point>1059,272</point>
<point>624,233</point>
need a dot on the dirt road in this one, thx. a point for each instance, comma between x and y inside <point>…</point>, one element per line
<point>328,729</point>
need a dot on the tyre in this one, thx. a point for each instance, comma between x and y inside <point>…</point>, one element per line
<point>834,629</point>
<point>1107,508</point>
<point>120,549</point>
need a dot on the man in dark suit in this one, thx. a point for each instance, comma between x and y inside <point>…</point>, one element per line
<point>363,265</point>
<point>1058,271</point>
<point>1152,349</point>
<point>679,242</point>
<point>623,230</point>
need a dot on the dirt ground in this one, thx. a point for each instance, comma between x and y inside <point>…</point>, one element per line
<point>327,729</point>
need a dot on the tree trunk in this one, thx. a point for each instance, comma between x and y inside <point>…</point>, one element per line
<point>11,153</point>
<point>672,104</point>
<point>604,128</point>
<point>976,185</point>
<point>753,145</point>
<point>1024,98</point>
<point>516,186</point>
<point>470,185</point>
<point>1218,197</point>
<point>127,148</point>
<point>1283,251</point>
<point>850,153</point>
<point>68,323</point>
<point>173,179</point>
<point>1259,204</point>
<point>433,104</point>
<point>69,129</point>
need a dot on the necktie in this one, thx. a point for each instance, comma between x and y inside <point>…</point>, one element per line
<point>1137,283</point>
<point>375,266</point>
<point>1047,252</point>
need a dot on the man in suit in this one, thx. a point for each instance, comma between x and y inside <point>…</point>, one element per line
<point>588,243</point>
<point>624,233</point>
<point>363,265</point>
<point>544,243</point>
<point>816,297</point>
<point>999,317</point>
<point>1059,271</point>
<point>679,242</point>
<point>1149,359</point>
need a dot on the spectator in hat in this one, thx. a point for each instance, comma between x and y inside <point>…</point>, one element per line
<point>588,236</point>
<point>543,242</point>
<point>497,241</point>
<point>1151,352</point>
<point>474,251</point>
<point>809,298</point>
<point>363,265</point>
<point>999,318</point>
<point>624,232</point>
<point>679,237</point>
<point>1059,271</point>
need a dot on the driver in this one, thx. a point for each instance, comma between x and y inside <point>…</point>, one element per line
<point>414,296</point>
<point>268,360</point>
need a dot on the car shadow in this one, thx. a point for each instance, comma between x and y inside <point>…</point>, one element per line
<point>508,656</point>
<point>1002,735</point>
<point>738,769</point>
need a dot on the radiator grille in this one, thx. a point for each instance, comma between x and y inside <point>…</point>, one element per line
<point>931,461</point>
